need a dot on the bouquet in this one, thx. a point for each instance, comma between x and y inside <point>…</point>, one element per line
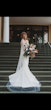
<point>30,50</point>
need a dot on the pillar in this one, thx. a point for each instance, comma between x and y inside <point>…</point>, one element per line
<point>6,30</point>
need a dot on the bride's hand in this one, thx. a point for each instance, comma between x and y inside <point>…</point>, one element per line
<point>36,51</point>
<point>33,56</point>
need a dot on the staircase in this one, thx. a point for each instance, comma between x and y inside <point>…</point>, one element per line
<point>40,66</point>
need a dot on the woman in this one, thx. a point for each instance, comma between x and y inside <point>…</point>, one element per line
<point>23,79</point>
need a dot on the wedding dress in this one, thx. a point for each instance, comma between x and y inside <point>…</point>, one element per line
<point>23,79</point>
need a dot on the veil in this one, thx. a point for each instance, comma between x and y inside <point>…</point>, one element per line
<point>20,62</point>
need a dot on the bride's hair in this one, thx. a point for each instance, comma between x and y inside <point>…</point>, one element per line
<point>22,35</point>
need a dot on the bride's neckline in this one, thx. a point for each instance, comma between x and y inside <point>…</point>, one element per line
<point>24,40</point>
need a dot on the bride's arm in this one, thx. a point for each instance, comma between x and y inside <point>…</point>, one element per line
<point>23,44</point>
<point>36,51</point>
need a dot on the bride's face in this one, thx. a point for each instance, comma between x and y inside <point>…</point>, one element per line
<point>25,36</point>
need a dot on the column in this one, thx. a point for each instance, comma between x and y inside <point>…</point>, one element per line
<point>0,29</point>
<point>6,30</point>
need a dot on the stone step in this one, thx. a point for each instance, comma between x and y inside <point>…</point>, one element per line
<point>8,72</point>
<point>19,47</point>
<point>10,44</point>
<point>39,77</point>
<point>40,65</point>
<point>3,83</point>
<point>15,62</point>
<point>11,58</point>
<point>43,78</point>
<point>43,83</point>
<point>15,43</point>
<point>40,60</point>
<point>17,54</point>
<point>37,57</point>
<point>8,56</point>
<point>8,68</point>
<point>30,61</point>
<point>41,72</point>
<point>4,78</point>
<point>9,62</point>
<point>31,68</point>
<point>34,72</point>
<point>45,88</point>
<point>3,88</point>
<point>40,69</point>
<point>13,51</point>
<point>42,89</point>
<point>30,65</point>
<point>18,50</point>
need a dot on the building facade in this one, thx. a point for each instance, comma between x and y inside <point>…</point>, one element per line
<point>6,29</point>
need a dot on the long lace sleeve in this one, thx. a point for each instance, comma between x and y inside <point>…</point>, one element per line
<point>23,44</point>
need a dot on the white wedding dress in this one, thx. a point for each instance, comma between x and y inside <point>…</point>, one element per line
<point>23,79</point>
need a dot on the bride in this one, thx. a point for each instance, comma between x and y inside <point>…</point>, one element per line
<point>23,79</point>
